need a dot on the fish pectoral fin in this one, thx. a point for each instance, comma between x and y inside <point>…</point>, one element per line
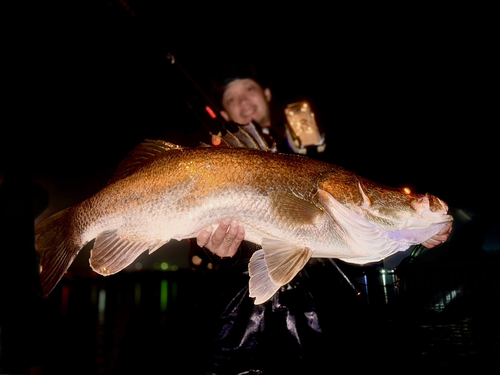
<point>274,266</point>
<point>367,241</point>
<point>295,210</point>
<point>112,253</point>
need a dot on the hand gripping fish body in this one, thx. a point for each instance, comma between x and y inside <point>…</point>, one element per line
<point>294,207</point>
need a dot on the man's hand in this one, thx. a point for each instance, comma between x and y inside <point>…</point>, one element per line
<point>439,238</point>
<point>225,240</point>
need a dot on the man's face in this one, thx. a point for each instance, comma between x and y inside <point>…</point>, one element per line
<point>245,101</point>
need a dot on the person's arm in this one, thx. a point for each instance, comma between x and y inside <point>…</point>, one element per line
<point>225,240</point>
<point>439,238</point>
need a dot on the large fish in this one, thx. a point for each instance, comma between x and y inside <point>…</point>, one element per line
<point>294,207</point>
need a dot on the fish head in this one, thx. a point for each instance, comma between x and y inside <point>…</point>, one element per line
<point>411,211</point>
<point>399,209</point>
<point>393,208</point>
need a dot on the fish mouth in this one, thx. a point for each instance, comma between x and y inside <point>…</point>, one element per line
<point>438,210</point>
<point>431,208</point>
<point>437,206</point>
<point>430,203</point>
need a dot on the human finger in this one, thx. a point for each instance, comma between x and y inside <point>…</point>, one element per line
<point>240,236</point>
<point>228,246</point>
<point>204,237</point>
<point>432,242</point>
<point>441,237</point>
<point>220,233</point>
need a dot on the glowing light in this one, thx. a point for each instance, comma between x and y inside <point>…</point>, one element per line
<point>210,112</point>
<point>196,260</point>
<point>216,140</point>
<point>164,266</point>
<point>138,266</point>
<point>406,190</point>
<point>164,295</point>
<point>101,307</point>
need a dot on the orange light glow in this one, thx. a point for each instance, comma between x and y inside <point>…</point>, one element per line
<point>216,140</point>
<point>210,112</point>
<point>407,190</point>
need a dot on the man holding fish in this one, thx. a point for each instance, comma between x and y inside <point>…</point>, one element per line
<point>245,101</point>
<point>289,209</point>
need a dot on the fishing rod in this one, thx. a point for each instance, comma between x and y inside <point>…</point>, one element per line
<point>203,107</point>
<point>358,293</point>
<point>199,102</point>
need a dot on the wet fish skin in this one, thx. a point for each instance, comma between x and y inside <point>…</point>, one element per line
<point>294,207</point>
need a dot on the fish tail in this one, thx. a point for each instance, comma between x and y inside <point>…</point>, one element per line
<point>58,244</point>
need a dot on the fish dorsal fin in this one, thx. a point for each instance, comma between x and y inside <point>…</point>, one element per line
<point>113,252</point>
<point>230,139</point>
<point>251,139</point>
<point>262,144</point>
<point>246,136</point>
<point>274,266</point>
<point>140,154</point>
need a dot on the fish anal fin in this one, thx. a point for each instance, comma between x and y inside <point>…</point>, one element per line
<point>274,266</point>
<point>294,209</point>
<point>113,252</point>
<point>153,246</point>
<point>262,288</point>
<point>141,154</point>
<point>284,260</point>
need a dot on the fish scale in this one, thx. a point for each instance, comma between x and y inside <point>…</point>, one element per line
<point>294,207</point>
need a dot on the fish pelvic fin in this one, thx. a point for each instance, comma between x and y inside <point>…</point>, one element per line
<point>58,244</point>
<point>140,155</point>
<point>274,266</point>
<point>113,252</point>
